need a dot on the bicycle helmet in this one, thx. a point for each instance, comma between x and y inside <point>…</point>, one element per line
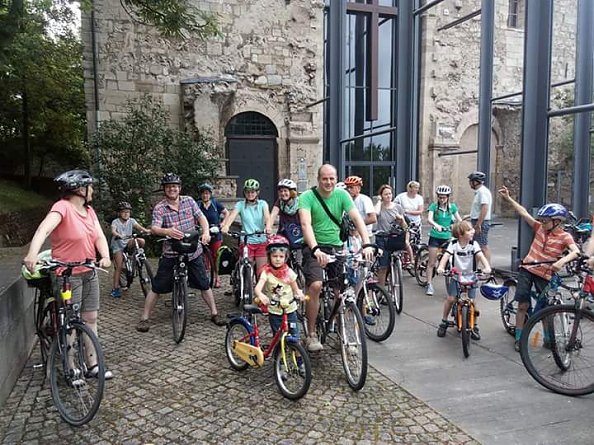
<point>340,186</point>
<point>251,184</point>
<point>353,180</point>
<point>40,271</point>
<point>277,243</point>
<point>477,176</point>
<point>553,211</point>
<point>124,205</point>
<point>287,183</point>
<point>73,179</point>
<point>493,292</point>
<point>170,178</point>
<point>206,186</point>
<point>443,190</point>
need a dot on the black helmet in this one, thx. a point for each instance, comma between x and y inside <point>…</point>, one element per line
<point>73,179</point>
<point>124,205</point>
<point>477,176</point>
<point>205,186</point>
<point>170,178</point>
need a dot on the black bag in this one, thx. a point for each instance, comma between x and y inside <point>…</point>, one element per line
<point>343,225</point>
<point>188,244</point>
<point>226,260</point>
<point>294,234</point>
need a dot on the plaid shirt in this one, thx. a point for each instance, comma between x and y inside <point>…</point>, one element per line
<point>184,219</point>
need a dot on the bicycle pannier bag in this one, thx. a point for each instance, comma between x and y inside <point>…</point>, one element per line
<point>294,234</point>
<point>226,260</point>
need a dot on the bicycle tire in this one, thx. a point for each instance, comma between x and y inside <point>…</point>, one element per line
<point>179,313</point>
<point>236,331</point>
<point>236,286</point>
<point>293,372</point>
<point>353,347</point>
<point>421,266</point>
<point>247,293</point>
<point>145,276</point>
<point>45,314</point>
<point>395,286</point>
<point>76,395</point>
<point>209,265</point>
<point>466,328</point>
<point>576,376</point>
<point>127,274</point>
<point>380,313</point>
<point>508,308</point>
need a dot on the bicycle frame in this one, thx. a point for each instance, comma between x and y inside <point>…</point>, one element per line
<point>463,300</point>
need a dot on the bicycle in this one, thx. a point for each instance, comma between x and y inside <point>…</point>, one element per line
<point>341,316</point>
<point>416,245</point>
<point>66,344</point>
<point>422,259</point>
<point>135,264</point>
<point>555,344</point>
<point>209,261</point>
<point>292,366</point>
<point>179,297</point>
<point>243,275</point>
<point>394,284</point>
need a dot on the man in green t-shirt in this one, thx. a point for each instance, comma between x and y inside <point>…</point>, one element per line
<point>321,236</point>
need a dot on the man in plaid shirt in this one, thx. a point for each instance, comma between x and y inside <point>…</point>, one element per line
<point>172,217</point>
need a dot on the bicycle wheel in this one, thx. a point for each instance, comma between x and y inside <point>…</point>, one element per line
<point>145,275</point>
<point>127,275</point>
<point>394,284</point>
<point>421,266</point>
<point>557,349</point>
<point>292,369</point>
<point>508,308</point>
<point>465,334</point>
<point>236,332</point>
<point>236,286</point>
<point>379,313</point>
<point>247,292</point>
<point>76,395</point>
<point>45,320</point>
<point>179,315</point>
<point>353,348</point>
<point>209,265</point>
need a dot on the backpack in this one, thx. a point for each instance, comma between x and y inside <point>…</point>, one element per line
<point>226,260</point>
<point>293,234</point>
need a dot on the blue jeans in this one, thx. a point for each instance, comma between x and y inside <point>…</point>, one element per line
<point>275,323</point>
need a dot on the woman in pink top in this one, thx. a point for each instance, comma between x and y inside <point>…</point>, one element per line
<point>75,235</point>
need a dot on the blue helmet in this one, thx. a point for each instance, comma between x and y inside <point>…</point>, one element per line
<point>493,292</point>
<point>553,211</point>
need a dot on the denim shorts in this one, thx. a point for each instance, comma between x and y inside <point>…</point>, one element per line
<point>163,280</point>
<point>276,320</point>
<point>436,242</point>
<point>524,288</point>
<point>381,242</point>
<point>453,290</point>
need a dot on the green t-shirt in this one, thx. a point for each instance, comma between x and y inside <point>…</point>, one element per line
<point>444,219</point>
<point>325,231</point>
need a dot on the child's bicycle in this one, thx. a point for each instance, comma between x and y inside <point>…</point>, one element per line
<point>292,367</point>
<point>136,264</point>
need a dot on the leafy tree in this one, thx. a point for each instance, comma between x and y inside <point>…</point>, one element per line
<point>138,149</point>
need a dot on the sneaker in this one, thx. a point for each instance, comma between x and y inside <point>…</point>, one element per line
<point>93,372</point>
<point>443,327</point>
<point>313,344</point>
<point>517,346</point>
<point>474,334</point>
<point>216,319</point>
<point>429,290</point>
<point>143,326</point>
<point>369,320</point>
<point>116,292</point>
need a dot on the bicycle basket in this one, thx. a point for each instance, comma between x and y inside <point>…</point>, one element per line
<point>188,244</point>
<point>493,292</point>
<point>226,260</point>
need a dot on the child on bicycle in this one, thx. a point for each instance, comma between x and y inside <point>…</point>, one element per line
<point>546,251</point>
<point>278,282</point>
<point>254,215</point>
<point>463,253</point>
<point>122,227</point>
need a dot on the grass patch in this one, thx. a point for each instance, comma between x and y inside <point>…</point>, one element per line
<point>13,198</point>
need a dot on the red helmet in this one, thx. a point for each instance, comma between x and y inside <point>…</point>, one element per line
<point>277,243</point>
<point>353,180</point>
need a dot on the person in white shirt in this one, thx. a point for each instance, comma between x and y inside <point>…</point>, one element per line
<point>363,203</point>
<point>411,202</point>
<point>480,211</point>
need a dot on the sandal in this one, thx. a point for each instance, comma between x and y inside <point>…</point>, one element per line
<point>93,372</point>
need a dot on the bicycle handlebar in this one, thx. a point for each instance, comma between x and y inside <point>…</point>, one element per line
<point>236,234</point>
<point>56,264</point>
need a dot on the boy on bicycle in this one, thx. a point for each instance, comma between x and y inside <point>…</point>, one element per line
<point>463,253</point>
<point>122,227</point>
<point>278,283</point>
<point>546,253</point>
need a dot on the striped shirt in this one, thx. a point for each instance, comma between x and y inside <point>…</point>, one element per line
<point>546,247</point>
<point>185,219</point>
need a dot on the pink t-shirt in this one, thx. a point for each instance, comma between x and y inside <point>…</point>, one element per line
<point>74,238</point>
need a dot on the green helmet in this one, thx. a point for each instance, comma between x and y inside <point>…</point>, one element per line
<point>251,184</point>
<point>39,271</point>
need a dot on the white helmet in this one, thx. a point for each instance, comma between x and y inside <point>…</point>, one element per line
<point>287,183</point>
<point>443,190</point>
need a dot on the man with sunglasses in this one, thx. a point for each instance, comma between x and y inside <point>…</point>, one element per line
<point>545,255</point>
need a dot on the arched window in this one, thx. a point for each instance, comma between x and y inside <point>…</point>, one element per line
<point>250,124</point>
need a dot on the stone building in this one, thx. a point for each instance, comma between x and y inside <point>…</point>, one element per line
<point>260,87</point>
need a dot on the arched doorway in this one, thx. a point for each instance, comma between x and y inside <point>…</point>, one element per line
<point>252,152</point>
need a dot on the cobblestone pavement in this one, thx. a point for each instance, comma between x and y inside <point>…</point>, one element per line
<point>187,393</point>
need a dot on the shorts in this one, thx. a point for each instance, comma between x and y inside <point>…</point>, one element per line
<point>276,320</point>
<point>163,280</point>
<point>312,269</point>
<point>436,242</point>
<point>454,287</point>
<point>524,287</point>
<point>255,250</point>
<point>483,237</point>
<point>85,290</point>
<point>389,245</point>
